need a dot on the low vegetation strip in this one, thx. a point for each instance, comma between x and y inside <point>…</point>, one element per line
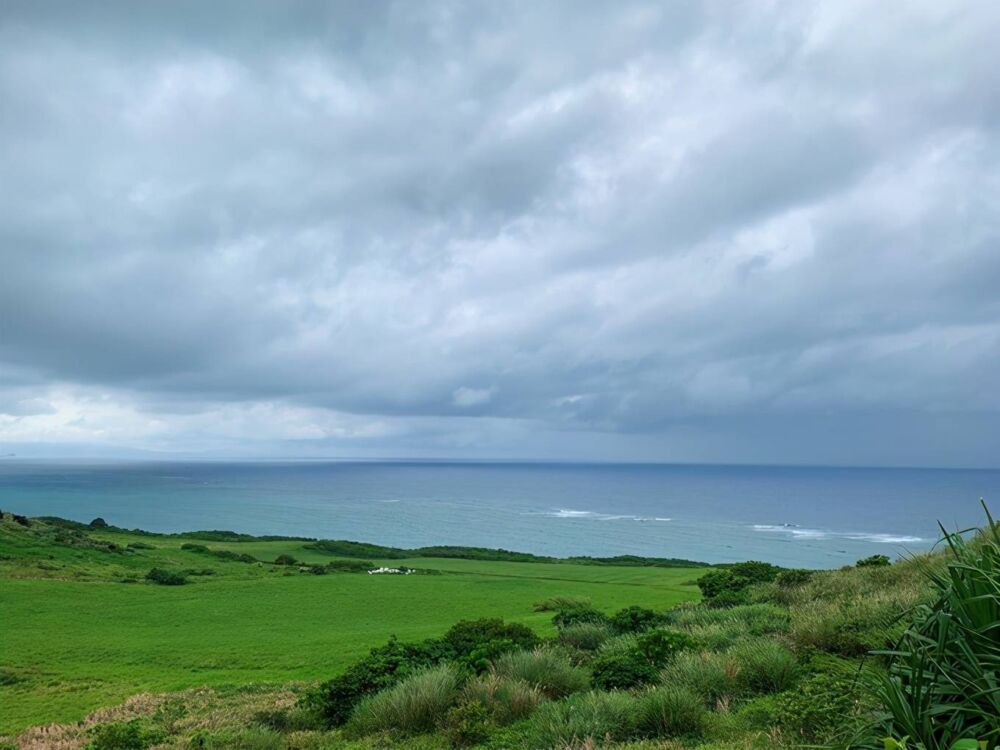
<point>877,655</point>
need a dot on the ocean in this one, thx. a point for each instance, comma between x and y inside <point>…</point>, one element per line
<point>794,516</point>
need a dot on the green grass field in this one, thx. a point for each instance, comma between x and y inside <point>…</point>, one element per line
<point>75,637</point>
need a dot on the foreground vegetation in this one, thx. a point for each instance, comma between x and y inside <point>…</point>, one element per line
<point>902,655</point>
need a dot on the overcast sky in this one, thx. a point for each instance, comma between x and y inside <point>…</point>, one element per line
<point>724,232</point>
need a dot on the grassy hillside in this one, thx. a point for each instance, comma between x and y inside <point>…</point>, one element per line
<point>83,629</point>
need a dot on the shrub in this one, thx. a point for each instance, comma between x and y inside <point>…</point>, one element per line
<point>285,560</point>
<point>560,603</point>
<point>468,635</point>
<point>710,676</point>
<point>763,666</point>
<point>124,735</point>
<point>413,706</point>
<point>98,523</point>
<point>466,724</point>
<point>576,615</point>
<point>547,669</point>
<point>585,636</point>
<point>823,708</point>
<point>594,716</point>
<point>483,656</point>
<point>874,561</point>
<point>671,712</point>
<point>659,646</point>
<point>720,628</point>
<point>384,666</point>
<point>635,620</point>
<point>728,586</point>
<point>165,577</point>
<point>621,671</point>
<point>506,700</point>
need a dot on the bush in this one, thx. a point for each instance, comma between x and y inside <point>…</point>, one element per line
<point>728,586</point>
<point>763,666</point>
<point>594,716</point>
<point>285,560</point>
<point>124,735</point>
<point>384,666</point>
<point>585,636</point>
<point>671,712</point>
<point>635,620</point>
<point>547,669</point>
<point>576,615</point>
<point>165,577</point>
<point>660,646</point>
<point>483,656</point>
<point>505,699</point>
<point>98,523</point>
<point>413,706</point>
<point>621,671</point>
<point>560,603</point>
<point>718,629</point>
<point>466,724</point>
<point>468,635</point>
<point>874,561</point>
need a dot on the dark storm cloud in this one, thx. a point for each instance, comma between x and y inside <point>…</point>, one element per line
<point>557,229</point>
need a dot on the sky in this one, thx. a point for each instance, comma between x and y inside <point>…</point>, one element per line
<point>760,232</point>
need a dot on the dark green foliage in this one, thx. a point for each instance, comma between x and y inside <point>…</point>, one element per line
<point>577,615</point>
<point>222,554</point>
<point>659,646</point>
<point>466,724</point>
<point>350,566</point>
<point>635,561</point>
<point>727,586</point>
<point>874,561</point>
<point>232,536</point>
<point>139,546</point>
<point>558,603</point>
<point>787,579</point>
<point>635,620</point>
<point>822,708</point>
<point>482,656</point>
<point>124,735</point>
<point>384,667</point>
<point>98,523</point>
<point>622,670</point>
<point>285,560</point>
<point>165,577</point>
<point>467,636</point>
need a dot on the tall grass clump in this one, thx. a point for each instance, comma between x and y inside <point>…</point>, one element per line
<point>586,719</point>
<point>505,699</point>
<point>942,684</point>
<point>710,676</point>
<point>559,603</point>
<point>763,666</point>
<point>413,706</point>
<point>671,712</point>
<point>548,669</point>
<point>585,636</point>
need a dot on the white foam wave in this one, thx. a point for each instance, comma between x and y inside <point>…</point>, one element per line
<point>797,532</point>
<point>591,515</point>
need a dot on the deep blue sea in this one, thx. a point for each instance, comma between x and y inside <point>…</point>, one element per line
<point>795,516</point>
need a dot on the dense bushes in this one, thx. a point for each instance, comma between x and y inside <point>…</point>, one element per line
<point>124,735</point>
<point>584,636</point>
<point>727,587</point>
<point>384,667</point>
<point>506,700</point>
<point>635,620</point>
<point>165,577</point>
<point>222,554</point>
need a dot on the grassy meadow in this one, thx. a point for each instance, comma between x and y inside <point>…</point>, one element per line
<point>82,630</point>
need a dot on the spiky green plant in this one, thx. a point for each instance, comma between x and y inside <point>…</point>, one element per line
<point>943,681</point>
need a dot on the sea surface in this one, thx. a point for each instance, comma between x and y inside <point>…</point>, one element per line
<point>794,516</point>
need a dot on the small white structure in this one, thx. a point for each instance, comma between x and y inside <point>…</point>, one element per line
<point>390,571</point>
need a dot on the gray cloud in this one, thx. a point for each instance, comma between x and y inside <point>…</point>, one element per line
<point>661,231</point>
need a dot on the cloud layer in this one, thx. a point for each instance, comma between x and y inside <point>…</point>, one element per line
<point>664,231</point>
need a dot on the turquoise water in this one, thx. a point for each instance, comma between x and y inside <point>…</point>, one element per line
<point>797,516</point>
